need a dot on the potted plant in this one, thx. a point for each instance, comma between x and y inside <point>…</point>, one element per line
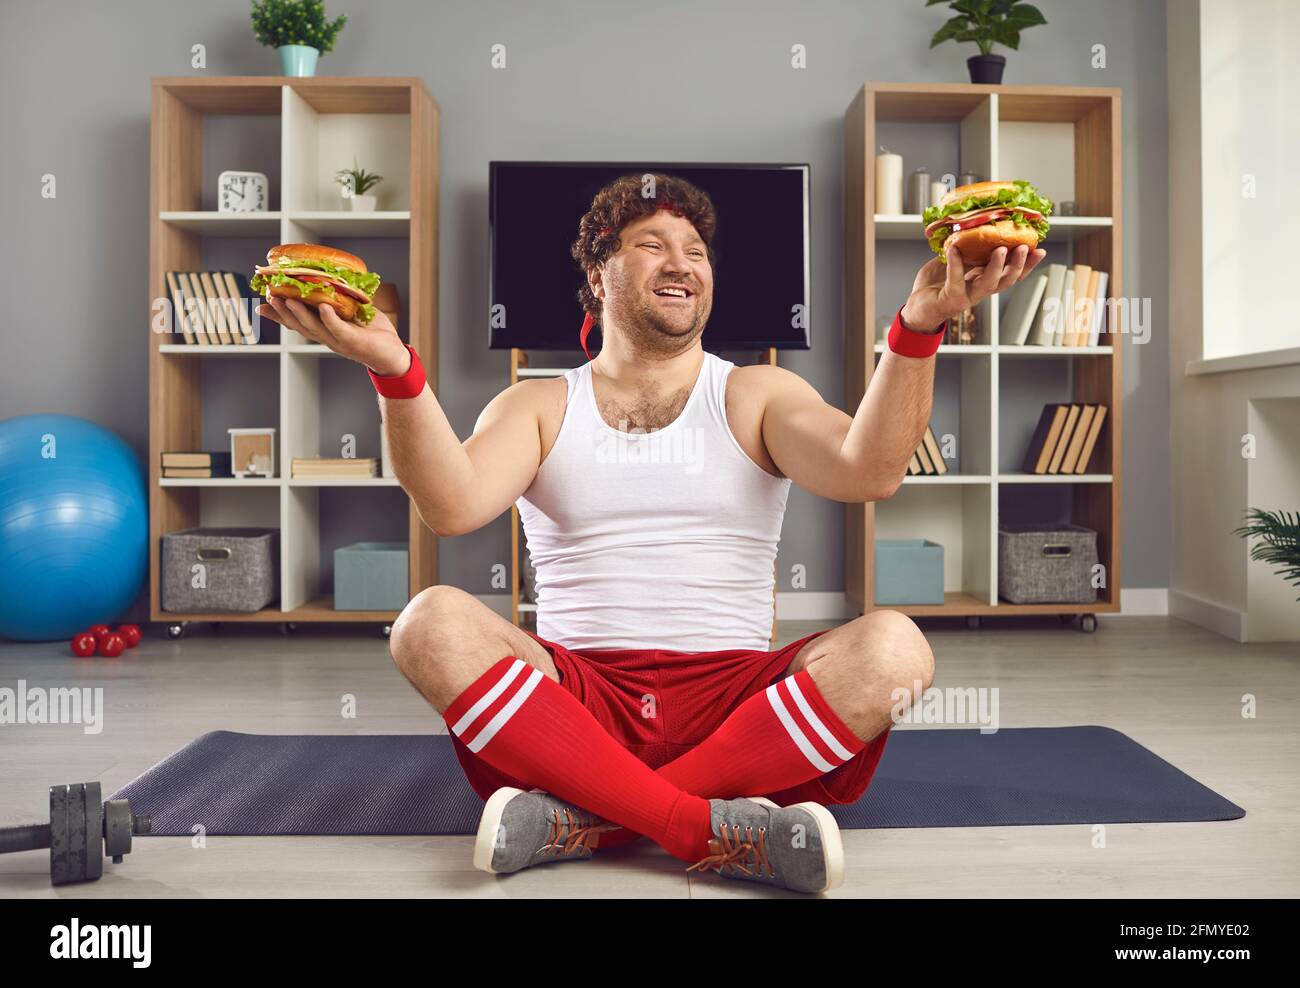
<point>298,28</point>
<point>987,23</point>
<point>356,182</point>
<point>1279,541</point>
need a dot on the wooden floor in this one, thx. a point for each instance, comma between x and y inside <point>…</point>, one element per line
<point>1171,686</point>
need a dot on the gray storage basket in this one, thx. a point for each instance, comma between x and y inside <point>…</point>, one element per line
<point>241,569</point>
<point>1046,563</point>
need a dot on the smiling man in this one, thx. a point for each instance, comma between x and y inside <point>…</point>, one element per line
<point>647,703</point>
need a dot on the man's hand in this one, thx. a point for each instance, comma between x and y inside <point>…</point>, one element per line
<point>942,291</point>
<point>375,344</point>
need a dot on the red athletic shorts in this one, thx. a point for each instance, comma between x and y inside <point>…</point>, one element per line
<point>659,703</point>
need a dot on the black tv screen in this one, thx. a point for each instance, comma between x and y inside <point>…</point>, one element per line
<point>760,279</point>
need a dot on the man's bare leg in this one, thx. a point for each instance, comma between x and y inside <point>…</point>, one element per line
<point>445,638</point>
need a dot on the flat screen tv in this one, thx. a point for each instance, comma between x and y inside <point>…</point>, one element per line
<point>760,281</point>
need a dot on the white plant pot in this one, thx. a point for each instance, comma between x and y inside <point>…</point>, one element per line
<point>362,204</point>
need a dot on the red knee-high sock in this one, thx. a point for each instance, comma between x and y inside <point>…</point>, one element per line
<point>519,721</point>
<point>774,740</point>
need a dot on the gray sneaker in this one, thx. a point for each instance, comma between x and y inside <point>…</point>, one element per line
<point>796,847</point>
<point>520,829</point>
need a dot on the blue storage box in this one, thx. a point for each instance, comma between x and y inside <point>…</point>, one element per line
<point>371,576</point>
<point>909,571</point>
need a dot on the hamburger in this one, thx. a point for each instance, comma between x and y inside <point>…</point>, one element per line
<point>315,274</point>
<point>979,218</point>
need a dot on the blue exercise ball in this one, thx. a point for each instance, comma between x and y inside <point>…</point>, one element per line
<point>74,527</point>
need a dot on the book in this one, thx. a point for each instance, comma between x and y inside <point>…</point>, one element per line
<point>194,308</point>
<point>318,466</point>
<point>1098,310</point>
<point>1066,310</point>
<point>936,456</point>
<point>215,459</point>
<point>914,465</point>
<point>1049,311</point>
<point>227,308</point>
<point>193,472</point>
<point>1071,457</point>
<point>181,322</point>
<point>1087,300</point>
<point>924,460</point>
<point>1045,438</point>
<point>1018,319</point>
<point>216,304</point>
<point>241,296</point>
<point>1062,443</point>
<point>1074,315</point>
<point>1090,443</point>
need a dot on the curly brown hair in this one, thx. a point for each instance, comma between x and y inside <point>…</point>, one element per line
<point>622,202</point>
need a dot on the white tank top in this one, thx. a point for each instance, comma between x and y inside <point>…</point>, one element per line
<point>660,540</point>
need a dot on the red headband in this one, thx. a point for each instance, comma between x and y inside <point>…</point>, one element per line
<point>588,322</point>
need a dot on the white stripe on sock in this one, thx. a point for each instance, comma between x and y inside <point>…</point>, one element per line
<point>506,712</point>
<point>810,715</point>
<point>487,698</point>
<point>796,733</point>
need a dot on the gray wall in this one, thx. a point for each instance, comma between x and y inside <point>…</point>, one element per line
<point>585,80</point>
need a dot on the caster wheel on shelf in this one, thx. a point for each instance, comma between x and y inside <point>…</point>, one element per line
<point>1088,623</point>
<point>973,622</point>
<point>175,631</point>
<point>288,628</point>
<point>386,631</point>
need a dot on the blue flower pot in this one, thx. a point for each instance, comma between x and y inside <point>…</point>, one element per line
<point>298,60</point>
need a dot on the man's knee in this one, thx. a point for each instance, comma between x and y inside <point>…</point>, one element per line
<point>889,654</point>
<point>905,655</point>
<point>431,620</point>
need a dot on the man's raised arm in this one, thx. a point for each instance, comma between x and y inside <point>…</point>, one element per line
<point>456,487</point>
<point>864,458</point>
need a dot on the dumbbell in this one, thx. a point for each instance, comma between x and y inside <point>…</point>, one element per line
<point>81,832</point>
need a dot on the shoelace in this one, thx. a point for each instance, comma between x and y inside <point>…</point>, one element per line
<point>729,851</point>
<point>574,832</point>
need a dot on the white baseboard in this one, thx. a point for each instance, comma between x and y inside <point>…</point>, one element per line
<point>832,605</point>
<point>1143,601</point>
<point>814,605</point>
<point>1207,614</point>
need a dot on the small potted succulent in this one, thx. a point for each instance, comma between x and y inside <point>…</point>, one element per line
<point>299,29</point>
<point>356,183</point>
<point>987,23</point>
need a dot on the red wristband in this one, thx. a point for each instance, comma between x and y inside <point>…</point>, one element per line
<point>910,343</point>
<point>406,385</point>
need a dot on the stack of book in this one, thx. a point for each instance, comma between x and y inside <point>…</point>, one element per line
<point>324,466</point>
<point>927,459</point>
<point>183,464</point>
<point>1065,438</point>
<point>212,308</point>
<point>1065,306</point>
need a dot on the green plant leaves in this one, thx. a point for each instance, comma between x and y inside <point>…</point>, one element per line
<point>295,22</point>
<point>987,22</point>
<point>1279,541</point>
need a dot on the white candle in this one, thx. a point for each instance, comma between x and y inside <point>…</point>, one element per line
<point>889,183</point>
<point>937,191</point>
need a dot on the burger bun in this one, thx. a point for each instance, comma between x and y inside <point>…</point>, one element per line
<point>978,243</point>
<point>342,303</point>
<point>315,252</point>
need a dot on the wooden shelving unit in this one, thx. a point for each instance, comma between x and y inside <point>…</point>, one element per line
<point>987,386</point>
<point>392,123</point>
<point>519,368</point>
